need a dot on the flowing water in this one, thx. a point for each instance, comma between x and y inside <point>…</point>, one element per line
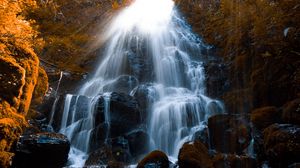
<point>151,43</point>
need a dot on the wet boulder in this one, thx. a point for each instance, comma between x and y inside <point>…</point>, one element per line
<point>78,109</point>
<point>265,116</point>
<point>229,133</point>
<point>124,114</point>
<point>145,95</point>
<point>154,159</point>
<point>282,144</point>
<point>194,154</point>
<point>202,136</point>
<point>49,150</point>
<point>113,154</point>
<point>233,161</point>
<point>138,141</point>
<point>100,156</point>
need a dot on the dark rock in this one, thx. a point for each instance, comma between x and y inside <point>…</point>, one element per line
<point>233,161</point>
<point>124,117</point>
<point>144,96</point>
<point>114,164</point>
<point>216,81</point>
<point>265,116</point>
<point>138,142</point>
<point>238,101</point>
<point>78,104</point>
<point>194,155</point>
<point>124,114</point>
<point>229,133</point>
<point>138,62</point>
<point>99,135</point>
<point>100,156</point>
<point>291,112</point>
<point>294,165</point>
<point>114,151</point>
<point>42,150</point>
<point>108,155</point>
<point>282,144</point>
<point>154,159</point>
<point>123,84</point>
<point>202,136</point>
<point>120,149</point>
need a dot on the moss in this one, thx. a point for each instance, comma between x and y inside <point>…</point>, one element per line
<point>12,80</point>
<point>5,159</point>
<point>41,87</point>
<point>9,133</point>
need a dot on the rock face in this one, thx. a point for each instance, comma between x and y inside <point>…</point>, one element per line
<point>100,157</point>
<point>282,144</point>
<point>229,133</point>
<point>265,116</point>
<point>138,141</point>
<point>124,118</point>
<point>125,115</point>
<point>154,159</point>
<point>124,84</point>
<point>291,112</point>
<point>42,150</point>
<point>19,66</point>
<point>233,161</point>
<point>194,155</point>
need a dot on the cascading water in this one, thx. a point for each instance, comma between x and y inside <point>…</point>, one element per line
<point>151,44</point>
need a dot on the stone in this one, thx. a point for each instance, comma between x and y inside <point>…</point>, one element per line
<point>154,159</point>
<point>282,144</point>
<point>138,142</point>
<point>291,112</point>
<point>100,156</point>
<point>49,150</point>
<point>124,114</point>
<point>194,154</point>
<point>229,133</point>
<point>265,116</point>
<point>216,81</point>
<point>123,84</point>
<point>202,136</point>
<point>233,161</point>
<point>238,101</point>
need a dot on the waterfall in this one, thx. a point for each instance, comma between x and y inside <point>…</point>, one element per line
<point>151,47</point>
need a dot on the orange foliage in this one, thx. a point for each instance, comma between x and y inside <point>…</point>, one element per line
<point>18,71</point>
<point>68,29</point>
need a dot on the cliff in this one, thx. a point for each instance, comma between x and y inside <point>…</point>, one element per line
<point>19,71</point>
<point>258,41</point>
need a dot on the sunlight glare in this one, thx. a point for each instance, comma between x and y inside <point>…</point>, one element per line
<point>146,15</point>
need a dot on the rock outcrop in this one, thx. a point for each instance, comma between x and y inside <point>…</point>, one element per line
<point>19,72</point>
<point>42,150</point>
